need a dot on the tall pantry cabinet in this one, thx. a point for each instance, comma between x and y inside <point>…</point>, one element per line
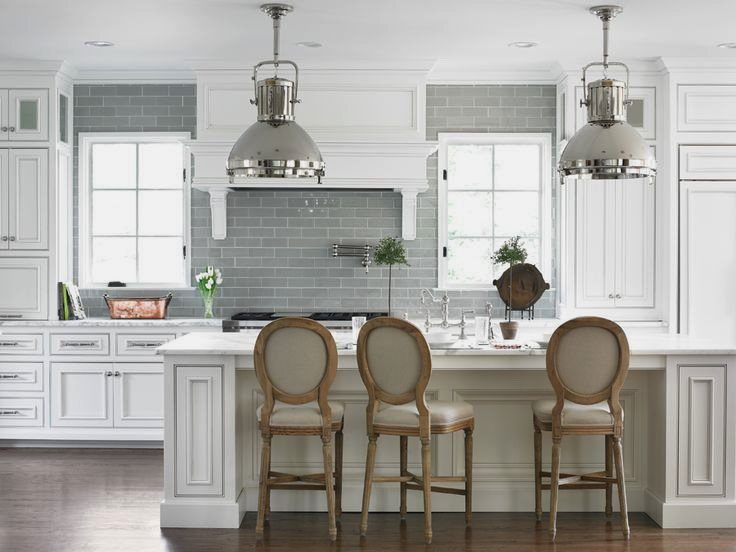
<point>35,189</point>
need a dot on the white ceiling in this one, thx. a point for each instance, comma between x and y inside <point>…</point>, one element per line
<point>177,34</point>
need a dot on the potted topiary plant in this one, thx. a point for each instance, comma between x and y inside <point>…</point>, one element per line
<point>511,252</point>
<point>390,251</point>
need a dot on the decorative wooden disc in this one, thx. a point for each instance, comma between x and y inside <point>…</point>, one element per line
<point>527,287</point>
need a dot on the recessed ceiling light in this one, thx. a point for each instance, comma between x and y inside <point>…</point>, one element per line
<point>99,43</point>
<point>309,44</point>
<point>730,45</point>
<point>522,44</point>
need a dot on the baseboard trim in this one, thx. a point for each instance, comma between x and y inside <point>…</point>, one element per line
<point>203,513</point>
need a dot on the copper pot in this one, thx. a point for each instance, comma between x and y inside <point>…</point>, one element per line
<point>138,307</point>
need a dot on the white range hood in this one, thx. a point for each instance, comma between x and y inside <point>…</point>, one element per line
<point>369,125</point>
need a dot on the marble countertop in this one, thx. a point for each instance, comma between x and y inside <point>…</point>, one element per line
<point>242,343</point>
<point>112,323</point>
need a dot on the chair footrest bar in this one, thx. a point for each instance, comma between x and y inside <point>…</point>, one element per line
<point>446,490</point>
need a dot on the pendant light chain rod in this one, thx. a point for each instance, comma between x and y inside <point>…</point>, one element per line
<point>276,16</point>
<point>606,25</point>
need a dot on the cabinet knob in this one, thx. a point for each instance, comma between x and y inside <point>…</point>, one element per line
<point>618,296</point>
<point>4,129</point>
<point>610,295</point>
<point>11,129</point>
<point>117,374</point>
<point>4,238</point>
<point>108,373</point>
<point>12,238</point>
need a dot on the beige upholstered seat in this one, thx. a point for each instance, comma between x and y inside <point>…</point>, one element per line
<point>395,366</point>
<point>587,362</point>
<point>302,415</point>
<point>575,414</point>
<point>407,415</point>
<point>296,363</point>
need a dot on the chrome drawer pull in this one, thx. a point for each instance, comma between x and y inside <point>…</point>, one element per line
<point>9,413</point>
<point>10,315</point>
<point>79,343</point>
<point>9,343</point>
<point>9,376</point>
<point>145,344</point>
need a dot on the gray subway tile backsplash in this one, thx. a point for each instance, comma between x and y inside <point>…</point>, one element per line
<point>278,251</point>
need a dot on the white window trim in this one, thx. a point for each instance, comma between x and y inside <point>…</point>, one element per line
<point>86,139</point>
<point>492,138</point>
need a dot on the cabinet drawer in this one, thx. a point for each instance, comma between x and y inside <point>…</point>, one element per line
<point>80,344</point>
<point>21,376</point>
<point>21,344</point>
<point>141,344</point>
<point>21,412</point>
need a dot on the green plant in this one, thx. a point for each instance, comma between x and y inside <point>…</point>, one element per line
<point>511,252</point>
<point>207,284</point>
<point>389,252</point>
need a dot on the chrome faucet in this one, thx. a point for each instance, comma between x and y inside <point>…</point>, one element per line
<point>445,310</point>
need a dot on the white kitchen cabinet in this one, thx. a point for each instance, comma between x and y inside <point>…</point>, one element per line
<point>105,394</point>
<point>23,288</point>
<point>27,211</point>
<point>613,253</point>
<point>81,394</point>
<point>21,412</point>
<point>27,114</point>
<point>139,394</point>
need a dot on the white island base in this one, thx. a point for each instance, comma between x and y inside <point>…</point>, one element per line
<point>679,439</point>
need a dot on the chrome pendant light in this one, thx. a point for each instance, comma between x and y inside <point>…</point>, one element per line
<point>607,147</point>
<point>275,146</point>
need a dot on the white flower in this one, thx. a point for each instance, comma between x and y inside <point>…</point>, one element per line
<point>208,285</point>
<point>219,280</point>
<point>210,270</point>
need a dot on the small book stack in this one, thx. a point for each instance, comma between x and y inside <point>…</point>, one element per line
<point>70,302</point>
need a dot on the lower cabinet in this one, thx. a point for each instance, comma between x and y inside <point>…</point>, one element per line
<point>106,394</point>
<point>23,288</point>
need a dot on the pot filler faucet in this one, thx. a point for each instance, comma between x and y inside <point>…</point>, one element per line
<point>445,310</point>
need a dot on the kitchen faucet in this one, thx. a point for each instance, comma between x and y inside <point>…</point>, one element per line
<point>445,310</point>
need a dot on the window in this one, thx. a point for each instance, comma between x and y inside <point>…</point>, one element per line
<point>133,209</point>
<point>491,187</point>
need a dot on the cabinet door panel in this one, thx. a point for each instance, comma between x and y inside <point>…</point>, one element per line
<point>28,199</point>
<point>139,395</point>
<point>707,267</point>
<point>634,278</point>
<point>4,200</point>
<point>594,235</point>
<point>4,115</point>
<point>198,430</point>
<point>23,288</point>
<point>81,394</point>
<point>28,114</point>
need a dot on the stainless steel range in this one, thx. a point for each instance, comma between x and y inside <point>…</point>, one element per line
<point>256,320</point>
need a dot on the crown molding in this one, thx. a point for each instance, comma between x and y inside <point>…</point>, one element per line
<point>447,72</point>
<point>699,64</point>
<point>118,75</point>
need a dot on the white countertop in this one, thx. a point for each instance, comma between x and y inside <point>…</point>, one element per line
<point>242,343</point>
<point>110,323</point>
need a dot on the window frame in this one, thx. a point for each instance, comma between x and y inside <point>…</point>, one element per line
<point>85,142</point>
<point>542,139</point>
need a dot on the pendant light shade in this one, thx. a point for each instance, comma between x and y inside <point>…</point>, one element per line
<point>607,147</point>
<point>275,146</point>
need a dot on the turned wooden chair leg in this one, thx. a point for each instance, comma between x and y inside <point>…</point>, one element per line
<point>338,472</point>
<point>329,486</point>
<point>538,472</point>
<point>427,488</point>
<point>468,476</point>
<point>609,473</point>
<point>403,470</point>
<point>621,485</point>
<point>369,465</point>
<point>554,485</point>
<point>263,488</point>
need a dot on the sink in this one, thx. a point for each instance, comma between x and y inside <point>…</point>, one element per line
<point>440,339</point>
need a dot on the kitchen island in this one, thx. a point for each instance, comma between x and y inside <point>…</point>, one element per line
<point>679,440</point>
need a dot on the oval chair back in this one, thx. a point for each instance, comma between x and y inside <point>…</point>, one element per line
<point>296,362</point>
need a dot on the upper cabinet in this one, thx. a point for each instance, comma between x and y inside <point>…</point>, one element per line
<point>24,114</point>
<point>24,199</point>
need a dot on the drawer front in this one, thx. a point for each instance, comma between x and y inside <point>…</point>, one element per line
<point>141,344</point>
<point>21,344</point>
<point>80,344</point>
<point>21,412</point>
<point>21,376</point>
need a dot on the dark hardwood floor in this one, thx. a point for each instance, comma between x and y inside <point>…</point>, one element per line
<point>79,500</point>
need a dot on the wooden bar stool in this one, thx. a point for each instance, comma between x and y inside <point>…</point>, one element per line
<point>587,362</point>
<point>395,365</point>
<point>296,362</point>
